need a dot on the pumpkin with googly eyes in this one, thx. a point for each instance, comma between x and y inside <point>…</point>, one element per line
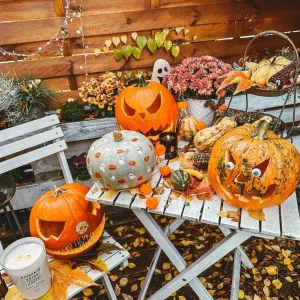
<point>253,168</point>
<point>147,107</point>
<point>121,160</point>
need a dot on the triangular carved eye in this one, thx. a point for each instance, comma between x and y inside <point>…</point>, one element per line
<point>262,167</point>
<point>48,228</point>
<point>229,157</point>
<point>128,110</point>
<point>155,106</point>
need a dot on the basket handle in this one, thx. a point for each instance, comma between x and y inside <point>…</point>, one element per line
<point>270,32</point>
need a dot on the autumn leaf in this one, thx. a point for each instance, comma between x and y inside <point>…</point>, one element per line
<point>108,195</point>
<point>131,265</point>
<point>178,29</point>
<point>234,215</point>
<point>133,288</point>
<point>97,52</point>
<point>87,292</point>
<point>272,270</point>
<point>13,294</point>
<point>123,281</point>
<point>257,215</point>
<point>168,276</point>
<point>113,277</point>
<point>222,214</point>
<point>107,248</point>
<point>117,290</point>
<point>241,294</point>
<point>277,283</point>
<point>95,263</point>
<point>166,266</point>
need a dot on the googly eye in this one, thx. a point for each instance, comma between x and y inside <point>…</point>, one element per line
<point>256,172</point>
<point>230,165</point>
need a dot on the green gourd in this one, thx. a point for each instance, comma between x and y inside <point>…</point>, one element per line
<point>121,159</point>
<point>180,180</point>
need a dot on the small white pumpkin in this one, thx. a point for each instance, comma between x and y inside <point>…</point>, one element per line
<point>121,160</point>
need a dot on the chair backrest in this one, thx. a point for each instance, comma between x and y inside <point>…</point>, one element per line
<point>15,142</point>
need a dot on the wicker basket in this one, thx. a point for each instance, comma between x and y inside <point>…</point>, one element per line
<point>266,92</point>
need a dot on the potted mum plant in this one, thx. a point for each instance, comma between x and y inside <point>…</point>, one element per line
<point>101,92</point>
<point>196,80</point>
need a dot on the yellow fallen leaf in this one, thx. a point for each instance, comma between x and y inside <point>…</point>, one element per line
<point>254,260</point>
<point>241,294</point>
<point>257,215</point>
<point>131,265</point>
<point>163,220</point>
<point>272,270</point>
<point>290,267</point>
<point>235,216</point>
<point>174,294</point>
<point>211,292</point>
<point>277,283</point>
<point>186,243</point>
<point>266,291</point>
<point>166,266</point>
<point>157,271</point>
<point>168,276</point>
<point>141,278</point>
<point>220,286</point>
<point>276,248</point>
<point>87,292</point>
<point>123,281</point>
<point>94,190</point>
<point>142,283</point>
<point>136,242</point>
<point>114,277</point>
<point>13,294</point>
<point>134,288</point>
<point>286,253</point>
<point>187,198</point>
<point>256,297</point>
<point>286,261</point>
<point>218,265</point>
<point>267,282</point>
<point>181,298</point>
<point>267,246</point>
<point>108,195</point>
<point>289,279</point>
<point>222,214</point>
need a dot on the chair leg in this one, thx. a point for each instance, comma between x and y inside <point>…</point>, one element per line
<point>16,219</point>
<point>235,285</point>
<point>109,289</point>
<point>9,221</point>
<point>124,264</point>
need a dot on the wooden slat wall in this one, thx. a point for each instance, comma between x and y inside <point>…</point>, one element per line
<point>220,27</point>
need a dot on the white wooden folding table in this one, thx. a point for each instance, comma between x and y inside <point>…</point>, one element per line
<point>281,221</point>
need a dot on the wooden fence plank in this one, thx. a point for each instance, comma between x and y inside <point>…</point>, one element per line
<point>58,67</point>
<point>25,9</point>
<point>108,23</point>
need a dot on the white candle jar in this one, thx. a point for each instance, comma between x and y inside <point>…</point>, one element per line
<point>25,261</point>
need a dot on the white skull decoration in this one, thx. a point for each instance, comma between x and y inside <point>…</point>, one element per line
<point>160,69</point>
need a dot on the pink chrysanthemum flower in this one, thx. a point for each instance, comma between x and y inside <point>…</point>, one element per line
<point>197,78</point>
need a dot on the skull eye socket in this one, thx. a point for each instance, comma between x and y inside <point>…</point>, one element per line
<point>260,169</point>
<point>128,110</point>
<point>156,104</point>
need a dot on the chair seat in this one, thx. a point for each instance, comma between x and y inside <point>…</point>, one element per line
<point>112,260</point>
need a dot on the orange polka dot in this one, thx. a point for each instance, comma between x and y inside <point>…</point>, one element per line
<point>97,154</point>
<point>140,178</point>
<point>120,151</point>
<point>146,158</point>
<point>132,163</point>
<point>98,175</point>
<point>112,167</point>
<point>122,180</point>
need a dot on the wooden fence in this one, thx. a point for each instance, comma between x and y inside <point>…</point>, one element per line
<point>216,27</point>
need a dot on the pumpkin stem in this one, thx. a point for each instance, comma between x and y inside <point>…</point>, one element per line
<point>141,81</point>
<point>58,191</point>
<point>117,135</point>
<point>261,128</point>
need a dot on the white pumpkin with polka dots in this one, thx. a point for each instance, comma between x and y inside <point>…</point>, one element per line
<point>121,160</point>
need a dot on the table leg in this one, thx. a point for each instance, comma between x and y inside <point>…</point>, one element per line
<point>221,249</point>
<point>172,253</point>
<point>235,285</point>
<point>244,257</point>
<point>169,230</point>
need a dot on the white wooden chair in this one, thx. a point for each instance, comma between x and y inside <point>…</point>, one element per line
<point>35,140</point>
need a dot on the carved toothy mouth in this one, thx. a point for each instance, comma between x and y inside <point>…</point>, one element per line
<point>245,196</point>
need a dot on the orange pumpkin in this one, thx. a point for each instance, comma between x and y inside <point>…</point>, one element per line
<point>147,107</point>
<point>67,223</point>
<point>253,168</point>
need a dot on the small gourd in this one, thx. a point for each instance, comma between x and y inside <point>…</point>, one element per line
<point>187,127</point>
<point>180,180</point>
<point>206,138</point>
<point>121,160</point>
<point>267,68</point>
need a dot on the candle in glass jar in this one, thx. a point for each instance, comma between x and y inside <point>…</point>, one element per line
<point>169,140</point>
<point>25,261</point>
<point>23,256</point>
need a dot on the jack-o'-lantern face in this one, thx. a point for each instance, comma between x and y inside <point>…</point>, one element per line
<point>253,173</point>
<point>67,223</point>
<point>148,108</point>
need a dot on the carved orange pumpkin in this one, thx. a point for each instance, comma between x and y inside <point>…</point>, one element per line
<point>67,223</point>
<point>148,108</point>
<point>253,168</point>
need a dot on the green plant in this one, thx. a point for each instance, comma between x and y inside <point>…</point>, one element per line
<point>72,111</point>
<point>32,93</point>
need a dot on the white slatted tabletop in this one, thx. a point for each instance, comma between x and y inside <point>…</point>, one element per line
<point>112,259</point>
<point>280,221</point>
